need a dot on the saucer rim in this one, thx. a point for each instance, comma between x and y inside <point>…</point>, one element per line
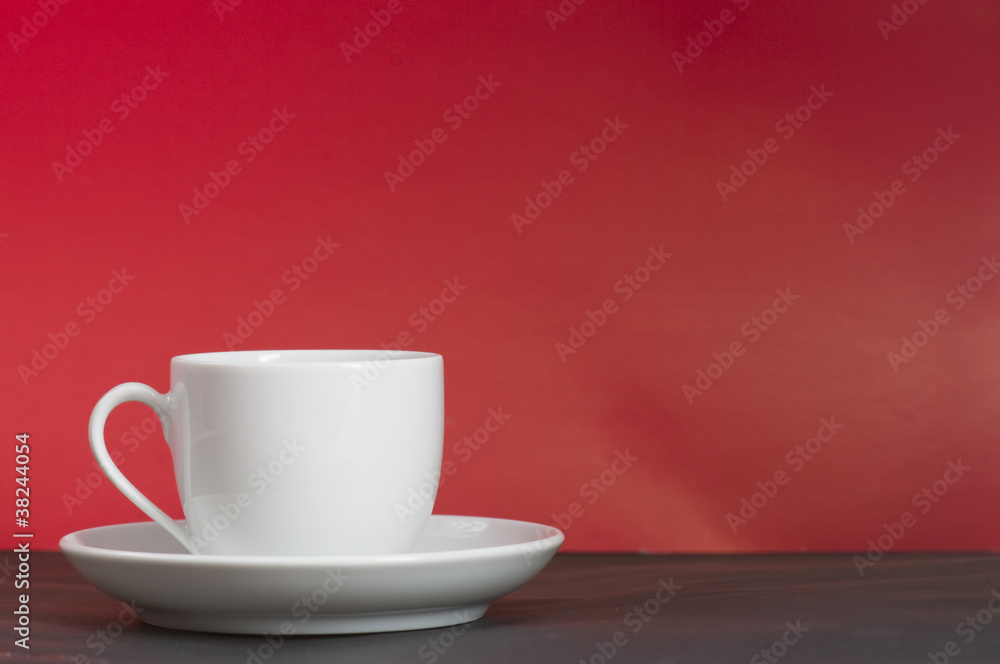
<point>70,543</point>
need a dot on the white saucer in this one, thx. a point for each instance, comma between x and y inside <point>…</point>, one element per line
<point>459,567</point>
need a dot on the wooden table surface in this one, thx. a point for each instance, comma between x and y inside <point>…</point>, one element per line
<point>597,608</point>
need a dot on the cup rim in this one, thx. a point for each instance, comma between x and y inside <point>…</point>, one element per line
<point>292,357</point>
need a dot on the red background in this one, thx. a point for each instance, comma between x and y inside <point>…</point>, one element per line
<point>655,185</point>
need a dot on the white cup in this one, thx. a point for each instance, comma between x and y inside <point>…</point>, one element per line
<point>295,452</point>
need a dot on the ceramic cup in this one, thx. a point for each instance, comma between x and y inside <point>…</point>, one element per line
<point>294,452</point>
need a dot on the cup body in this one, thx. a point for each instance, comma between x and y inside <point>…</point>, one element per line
<point>306,452</point>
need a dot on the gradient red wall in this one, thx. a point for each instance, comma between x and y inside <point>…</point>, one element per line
<point>648,215</point>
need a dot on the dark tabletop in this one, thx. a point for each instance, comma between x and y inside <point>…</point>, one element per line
<point>600,608</point>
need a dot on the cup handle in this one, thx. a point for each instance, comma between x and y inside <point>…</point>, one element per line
<point>160,403</point>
